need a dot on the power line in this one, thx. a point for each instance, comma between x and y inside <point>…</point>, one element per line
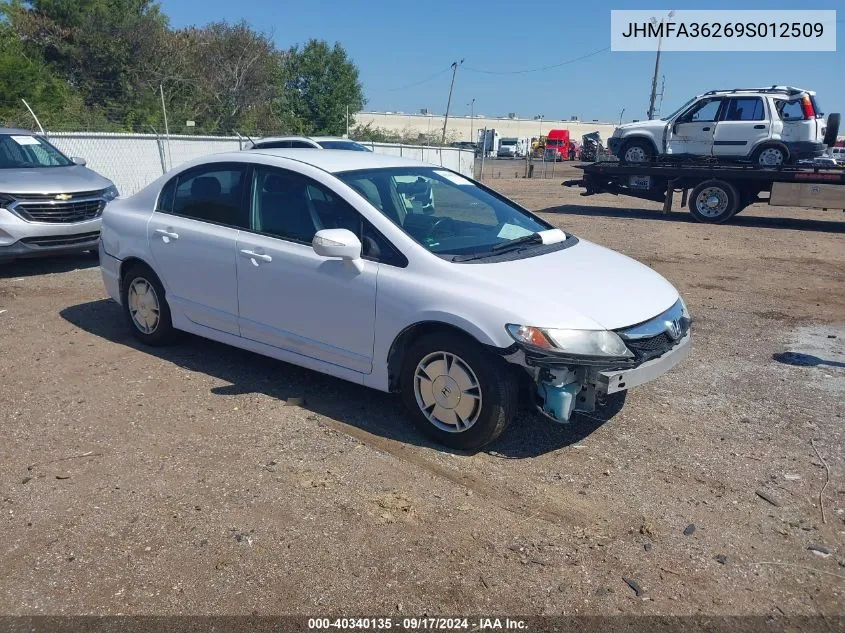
<point>418,83</point>
<point>534,70</point>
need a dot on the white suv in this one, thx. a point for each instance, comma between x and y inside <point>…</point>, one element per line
<point>768,126</point>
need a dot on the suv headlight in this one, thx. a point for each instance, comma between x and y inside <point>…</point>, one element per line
<point>592,343</point>
<point>110,193</point>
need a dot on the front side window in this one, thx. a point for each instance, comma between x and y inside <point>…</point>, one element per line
<point>745,109</point>
<point>705,110</point>
<point>293,207</point>
<point>213,193</point>
<point>24,150</point>
<point>443,211</point>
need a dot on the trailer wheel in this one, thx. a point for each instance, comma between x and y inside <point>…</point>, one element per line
<point>636,150</point>
<point>714,201</point>
<point>831,129</point>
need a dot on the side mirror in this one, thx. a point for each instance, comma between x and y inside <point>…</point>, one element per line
<point>77,160</point>
<point>341,243</point>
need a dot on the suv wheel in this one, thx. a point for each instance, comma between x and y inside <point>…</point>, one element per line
<point>456,392</point>
<point>831,129</point>
<point>770,156</point>
<point>636,151</point>
<point>144,306</point>
<point>714,201</point>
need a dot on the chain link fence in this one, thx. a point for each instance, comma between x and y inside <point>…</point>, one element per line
<point>132,161</point>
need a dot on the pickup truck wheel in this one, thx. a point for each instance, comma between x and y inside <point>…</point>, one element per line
<point>770,156</point>
<point>714,201</point>
<point>636,151</point>
<point>831,129</point>
<point>144,306</point>
<point>456,392</point>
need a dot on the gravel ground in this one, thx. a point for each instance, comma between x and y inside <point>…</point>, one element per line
<point>184,480</point>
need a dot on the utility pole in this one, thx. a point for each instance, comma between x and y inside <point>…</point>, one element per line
<point>166,129</point>
<point>656,67</point>
<point>471,105</point>
<point>449,101</point>
<point>347,121</point>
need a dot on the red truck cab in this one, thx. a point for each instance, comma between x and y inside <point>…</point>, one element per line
<point>557,145</point>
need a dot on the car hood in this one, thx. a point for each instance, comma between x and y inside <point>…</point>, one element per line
<point>653,124</point>
<point>71,179</point>
<point>585,286</point>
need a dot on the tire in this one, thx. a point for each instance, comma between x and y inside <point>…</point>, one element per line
<point>832,129</point>
<point>770,156</point>
<point>487,391</point>
<point>714,201</point>
<point>636,151</point>
<point>141,288</point>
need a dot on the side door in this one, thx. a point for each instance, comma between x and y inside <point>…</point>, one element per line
<point>292,298</point>
<point>692,132</point>
<point>742,125</point>
<point>193,240</point>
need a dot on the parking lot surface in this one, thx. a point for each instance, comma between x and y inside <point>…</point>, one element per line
<point>203,479</point>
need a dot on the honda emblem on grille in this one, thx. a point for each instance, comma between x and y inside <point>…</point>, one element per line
<point>63,196</point>
<point>673,329</point>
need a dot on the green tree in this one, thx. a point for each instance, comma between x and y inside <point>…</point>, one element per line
<point>322,83</point>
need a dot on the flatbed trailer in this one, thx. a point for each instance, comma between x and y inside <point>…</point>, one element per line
<point>717,192</point>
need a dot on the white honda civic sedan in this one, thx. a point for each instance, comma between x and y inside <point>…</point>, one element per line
<point>394,274</point>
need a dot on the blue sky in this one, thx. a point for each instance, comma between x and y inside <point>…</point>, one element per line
<point>399,43</point>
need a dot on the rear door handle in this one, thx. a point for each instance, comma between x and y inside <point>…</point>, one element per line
<point>254,255</point>
<point>759,127</point>
<point>706,129</point>
<point>167,234</point>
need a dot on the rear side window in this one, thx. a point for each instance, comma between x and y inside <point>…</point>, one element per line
<point>213,193</point>
<point>745,109</point>
<point>790,110</point>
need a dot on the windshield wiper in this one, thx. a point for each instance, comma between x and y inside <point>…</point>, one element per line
<point>525,239</point>
<point>516,244</point>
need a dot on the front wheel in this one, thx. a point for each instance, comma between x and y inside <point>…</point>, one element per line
<point>714,201</point>
<point>456,392</point>
<point>636,151</point>
<point>144,306</point>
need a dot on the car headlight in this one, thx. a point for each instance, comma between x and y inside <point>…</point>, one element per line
<point>595,343</point>
<point>684,311</point>
<point>110,193</point>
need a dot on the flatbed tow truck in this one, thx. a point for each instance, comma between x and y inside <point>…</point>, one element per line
<point>717,192</point>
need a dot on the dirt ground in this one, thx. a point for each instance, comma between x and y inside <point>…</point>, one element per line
<point>177,480</point>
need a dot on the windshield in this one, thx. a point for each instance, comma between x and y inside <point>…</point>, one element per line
<point>443,211</point>
<point>24,150</point>
<point>350,145</point>
<point>506,141</point>
<point>678,111</point>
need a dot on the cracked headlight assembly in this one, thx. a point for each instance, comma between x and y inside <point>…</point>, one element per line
<point>586,343</point>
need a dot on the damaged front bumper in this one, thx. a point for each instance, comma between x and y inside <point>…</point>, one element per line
<point>563,385</point>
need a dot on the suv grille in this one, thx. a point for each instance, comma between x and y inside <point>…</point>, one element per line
<point>81,206</point>
<point>62,240</point>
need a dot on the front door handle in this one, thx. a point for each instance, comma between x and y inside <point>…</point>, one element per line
<point>167,234</point>
<point>253,255</point>
<point>759,127</point>
<point>706,129</point>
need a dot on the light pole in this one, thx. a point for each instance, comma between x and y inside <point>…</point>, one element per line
<point>471,105</point>
<point>656,67</point>
<point>620,116</point>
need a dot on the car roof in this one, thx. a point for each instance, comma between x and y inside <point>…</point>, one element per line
<point>273,139</point>
<point>330,160</point>
<point>332,138</point>
<point>14,130</point>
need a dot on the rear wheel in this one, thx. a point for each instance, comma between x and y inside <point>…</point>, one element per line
<point>456,392</point>
<point>770,156</point>
<point>714,201</point>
